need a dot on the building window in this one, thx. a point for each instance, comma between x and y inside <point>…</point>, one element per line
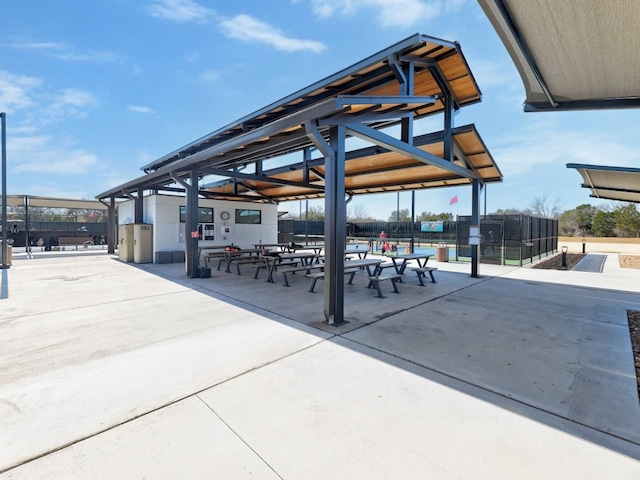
<point>205,214</point>
<point>248,216</point>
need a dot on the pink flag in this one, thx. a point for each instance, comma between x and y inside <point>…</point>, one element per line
<point>453,200</point>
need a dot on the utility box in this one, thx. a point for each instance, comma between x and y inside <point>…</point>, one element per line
<point>142,243</point>
<point>163,257</point>
<point>177,256</point>
<point>125,243</point>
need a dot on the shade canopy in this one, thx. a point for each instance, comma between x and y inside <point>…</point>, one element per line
<point>415,78</point>
<point>572,55</point>
<point>610,183</point>
<point>52,202</point>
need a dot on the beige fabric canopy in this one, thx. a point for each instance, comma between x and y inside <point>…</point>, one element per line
<point>572,54</point>
<point>51,202</point>
<point>610,183</point>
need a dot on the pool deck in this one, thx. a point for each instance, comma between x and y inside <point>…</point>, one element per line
<point>113,370</point>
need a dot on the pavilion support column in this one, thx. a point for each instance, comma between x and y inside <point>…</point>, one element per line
<point>112,231</point>
<point>138,214</point>
<point>475,220</point>
<point>192,260</point>
<point>335,228</point>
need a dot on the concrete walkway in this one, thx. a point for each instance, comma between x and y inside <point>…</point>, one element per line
<point>112,370</point>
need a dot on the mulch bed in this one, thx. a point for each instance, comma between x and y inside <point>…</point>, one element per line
<point>555,262</point>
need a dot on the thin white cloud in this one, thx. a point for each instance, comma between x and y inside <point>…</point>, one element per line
<point>181,11</point>
<point>390,13</point>
<point>140,109</point>
<point>44,154</point>
<point>16,91</point>
<point>40,46</point>
<point>249,29</point>
<point>65,52</point>
<point>68,102</point>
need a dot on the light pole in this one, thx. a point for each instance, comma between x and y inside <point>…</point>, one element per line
<point>565,249</point>
<point>3,140</point>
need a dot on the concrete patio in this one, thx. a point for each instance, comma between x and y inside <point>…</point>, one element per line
<point>113,370</point>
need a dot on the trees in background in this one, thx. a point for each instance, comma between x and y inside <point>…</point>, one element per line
<point>614,220</point>
<point>316,213</point>
<point>432,217</point>
<point>359,213</point>
<point>400,216</point>
<point>545,207</point>
<point>627,221</point>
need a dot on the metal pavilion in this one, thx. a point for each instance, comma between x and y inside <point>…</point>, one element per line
<point>417,77</point>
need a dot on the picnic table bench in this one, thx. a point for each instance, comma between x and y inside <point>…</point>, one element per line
<point>214,255</point>
<point>376,279</point>
<point>297,268</point>
<point>318,275</point>
<point>422,271</point>
<point>75,241</point>
<point>271,263</point>
<point>252,260</point>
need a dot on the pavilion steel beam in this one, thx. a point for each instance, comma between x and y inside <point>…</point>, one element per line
<point>398,146</point>
<point>255,177</point>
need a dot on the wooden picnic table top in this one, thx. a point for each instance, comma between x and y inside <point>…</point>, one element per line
<point>281,246</point>
<point>210,247</point>
<point>354,251</point>
<point>411,256</point>
<point>362,262</point>
<point>421,258</point>
<point>301,254</point>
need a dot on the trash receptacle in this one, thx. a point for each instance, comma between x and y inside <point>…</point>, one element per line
<point>442,253</point>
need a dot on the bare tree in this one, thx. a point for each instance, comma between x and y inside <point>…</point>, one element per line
<point>545,207</point>
<point>358,213</point>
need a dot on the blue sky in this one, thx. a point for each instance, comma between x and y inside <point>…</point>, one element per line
<point>93,90</point>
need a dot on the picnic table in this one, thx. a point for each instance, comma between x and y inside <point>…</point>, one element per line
<point>232,255</point>
<point>350,267</point>
<point>400,267</point>
<point>281,246</point>
<point>305,258</point>
<point>317,249</point>
<point>218,248</point>
<point>361,253</point>
<point>364,263</point>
